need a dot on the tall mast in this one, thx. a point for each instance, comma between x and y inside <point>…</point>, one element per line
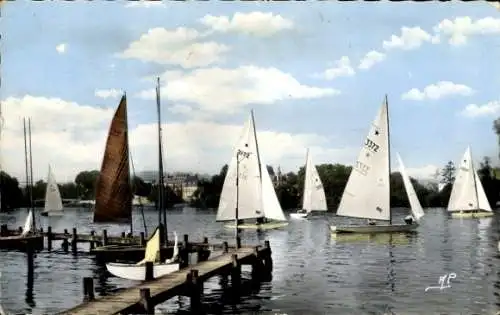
<point>31,176</point>
<point>160,167</point>
<point>473,171</point>
<point>26,163</point>
<point>257,150</point>
<point>386,104</point>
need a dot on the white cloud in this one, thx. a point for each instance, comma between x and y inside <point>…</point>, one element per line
<point>253,23</point>
<point>370,59</point>
<point>108,93</point>
<point>342,68</point>
<point>426,172</point>
<point>145,4</point>
<point>489,109</point>
<point>77,141</point>
<point>226,91</point>
<point>61,48</point>
<point>437,91</point>
<point>181,46</point>
<point>463,27</point>
<point>410,38</point>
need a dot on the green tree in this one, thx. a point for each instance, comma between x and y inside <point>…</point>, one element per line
<point>86,182</point>
<point>448,173</point>
<point>12,195</point>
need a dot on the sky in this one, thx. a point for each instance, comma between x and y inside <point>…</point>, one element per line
<point>315,74</point>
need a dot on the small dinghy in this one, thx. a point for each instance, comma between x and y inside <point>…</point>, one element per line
<point>138,271</point>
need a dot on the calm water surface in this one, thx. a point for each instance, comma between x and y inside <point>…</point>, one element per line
<point>313,272</point>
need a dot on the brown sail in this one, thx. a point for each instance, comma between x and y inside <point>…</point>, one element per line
<point>113,198</point>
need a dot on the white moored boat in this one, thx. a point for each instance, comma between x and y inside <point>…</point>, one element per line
<point>138,271</point>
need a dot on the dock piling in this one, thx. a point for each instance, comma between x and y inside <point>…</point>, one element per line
<point>145,303</point>
<point>225,247</point>
<point>49,238</point>
<point>184,252</point>
<point>195,290</point>
<point>92,243</point>
<point>123,235</point>
<point>88,289</point>
<point>235,273</point>
<point>257,265</point>
<point>66,231</point>
<point>149,270</point>
<point>65,245</point>
<point>74,241</point>
<point>142,241</point>
<point>104,237</point>
<point>268,260</point>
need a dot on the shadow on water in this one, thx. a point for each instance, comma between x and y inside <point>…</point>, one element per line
<point>30,296</point>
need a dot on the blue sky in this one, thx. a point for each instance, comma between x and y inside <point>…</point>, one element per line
<point>218,59</point>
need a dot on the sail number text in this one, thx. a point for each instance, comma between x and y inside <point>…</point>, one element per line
<point>362,168</point>
<point>372,146</point>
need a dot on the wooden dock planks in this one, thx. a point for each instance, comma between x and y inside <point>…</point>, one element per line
<point>161,289</point>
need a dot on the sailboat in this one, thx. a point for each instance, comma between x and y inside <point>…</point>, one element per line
<point>313,197</point>
<point>53,201</point>
<point>415,206</point>
<point>248,192</point>
<point>138,271</point>
<point>467,198</point>
<point>367,192</point>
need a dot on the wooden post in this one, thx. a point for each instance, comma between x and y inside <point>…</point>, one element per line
<point>235,273</point>
<point>49,238</point>
<point>225,247</point>
<point>184,253</point>
<point>20,229</point>
<point>205,240</point>
<point>92,243</point>
<point>257,265</point>
<point>145,303</point>
<point>238,242</point>
<point>123,235</point>
<point>65,245</point>
<point>74,241</point>
<point>142,240</point>
<point>149,270</point>
<point>268,260</point>
<point>3,230</point>
<point>66,231</point>
<point>88,289</point>
<point>195,289</point>
<point>104,237</point>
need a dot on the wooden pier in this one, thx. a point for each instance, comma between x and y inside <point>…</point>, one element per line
<point>142,299</point>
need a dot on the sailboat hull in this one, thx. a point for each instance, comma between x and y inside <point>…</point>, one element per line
<point>138,273</point>
<point>254,226</point>
<point>471,215</point>
<point>371,229</point>
<point>299,215</point>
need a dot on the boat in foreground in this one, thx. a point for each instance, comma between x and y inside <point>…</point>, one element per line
<point>248,193</point>
<point>138,271</point>
<point>468,199</point>
<point>367,192</point>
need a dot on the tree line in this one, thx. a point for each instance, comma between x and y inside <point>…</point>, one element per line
<point>289,188</point>
<point>82,188</point>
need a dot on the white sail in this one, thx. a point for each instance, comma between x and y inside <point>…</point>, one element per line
<point>367,192</point>
<point>53,201</point>
<point>270,202</point>
<point>28,223</point>
<point>467,192</point>
<point>416,207</point>
<point>249,180</point>
<point>314,195</point>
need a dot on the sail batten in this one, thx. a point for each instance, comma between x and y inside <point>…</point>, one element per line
<point>113,200</point>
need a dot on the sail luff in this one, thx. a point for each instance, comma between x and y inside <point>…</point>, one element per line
<point>113,201</point>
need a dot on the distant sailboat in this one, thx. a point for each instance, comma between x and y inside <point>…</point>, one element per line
<point>467,198</point>
<point>152,254</point>
<point>248,192</point>
<point>313,197</point>
<point>367,193</point>
<point>415,206</point>
<point>53,201</point>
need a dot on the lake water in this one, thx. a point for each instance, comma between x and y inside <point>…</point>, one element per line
<point>313,272</point>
